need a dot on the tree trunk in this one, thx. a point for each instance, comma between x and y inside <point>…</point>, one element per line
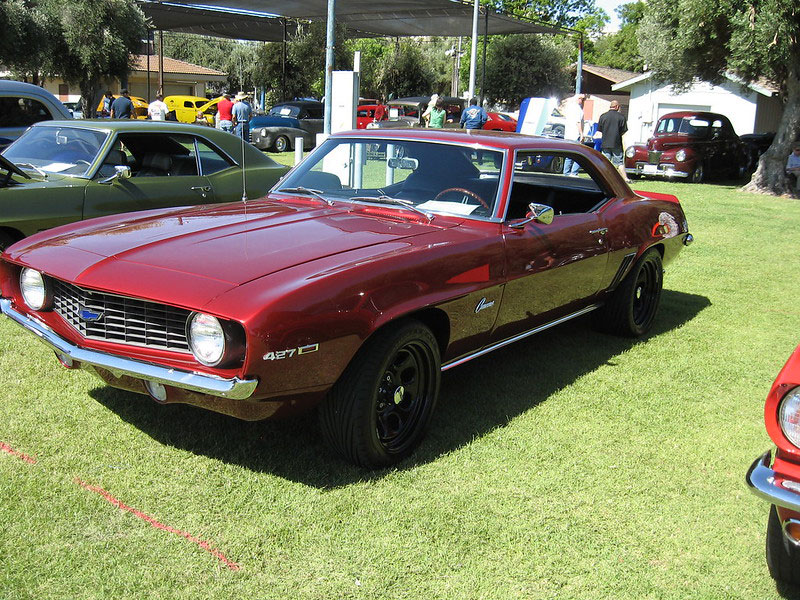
<point>89,98</point>
<point>770,177</point>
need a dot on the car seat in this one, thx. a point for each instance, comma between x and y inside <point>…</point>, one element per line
<point>155,164</point>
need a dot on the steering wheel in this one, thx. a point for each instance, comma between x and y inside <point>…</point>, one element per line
<point>459,190</point>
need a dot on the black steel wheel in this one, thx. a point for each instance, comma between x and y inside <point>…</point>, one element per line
<point>698,175</point>
<point>557,164</point>
<point>783,560</point>
<point>281,143</point>
<point>631,308</point>
<point>377,413</point>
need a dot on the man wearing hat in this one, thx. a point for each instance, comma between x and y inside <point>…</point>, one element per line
<point>241,112</point>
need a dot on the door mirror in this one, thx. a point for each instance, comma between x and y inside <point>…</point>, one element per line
<point>120,172</point>
<point>541,213</point>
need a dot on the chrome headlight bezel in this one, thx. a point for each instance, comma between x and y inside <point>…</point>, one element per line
<point>630,152</point>
<point>680,155</point>
<point>35,291</point>
<point>789,416</point>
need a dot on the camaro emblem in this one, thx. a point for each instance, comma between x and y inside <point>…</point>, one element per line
<point>483,304</point>
<point>89,316</point>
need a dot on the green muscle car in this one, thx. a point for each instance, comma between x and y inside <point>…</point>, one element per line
<point>58,172</point>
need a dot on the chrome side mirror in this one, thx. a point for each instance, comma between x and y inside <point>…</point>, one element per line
<point>541,213</point>
<point>120,172</point>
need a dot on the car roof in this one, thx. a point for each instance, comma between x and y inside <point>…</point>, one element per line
<point>682,114</point>
<point>300,103</point>
<point>498,139</point>
<point>8,86</point>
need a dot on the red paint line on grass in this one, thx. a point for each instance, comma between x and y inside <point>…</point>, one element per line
<point>147,518</point>
<point>6,448</point>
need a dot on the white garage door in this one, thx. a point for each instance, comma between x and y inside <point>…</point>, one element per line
<point>668,108</point>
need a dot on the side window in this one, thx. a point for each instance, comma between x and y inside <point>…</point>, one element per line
<point>188,104</point>
<point>211,161</point>
<point>160,155</point>
<point>22,112</point>
<point>539,177</point>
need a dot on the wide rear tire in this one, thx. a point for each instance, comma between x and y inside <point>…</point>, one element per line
<point>633,305</point>
<point>783,562</point>
<point>378,411</point>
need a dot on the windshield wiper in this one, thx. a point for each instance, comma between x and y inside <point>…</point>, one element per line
<point>310,192</point>
<point>34,167</point>
<point>398,201</point>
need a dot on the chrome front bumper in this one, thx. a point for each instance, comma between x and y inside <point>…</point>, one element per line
<point>235,388</point>
<point>767,484</point>
<point>661,171</point>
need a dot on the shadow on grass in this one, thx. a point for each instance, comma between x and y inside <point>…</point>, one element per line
<point>474,399</point>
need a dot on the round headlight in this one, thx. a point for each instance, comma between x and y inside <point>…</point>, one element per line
<point>206,339</point>
<point>264,132</point>
<point>630,151</point>
<point>680,155</point>
<point>32,286</point>
<point>789,416</point>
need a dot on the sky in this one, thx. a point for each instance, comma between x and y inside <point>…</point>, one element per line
<point>609,6</point>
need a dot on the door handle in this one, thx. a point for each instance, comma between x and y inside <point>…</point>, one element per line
<point>601,231</point>
<point>203,189</point>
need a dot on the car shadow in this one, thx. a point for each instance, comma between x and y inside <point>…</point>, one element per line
<point>293,448</point>
<point>787,590</point>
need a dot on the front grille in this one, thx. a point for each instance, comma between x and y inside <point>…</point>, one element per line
<point>101,316</point>
<point>653,157</point>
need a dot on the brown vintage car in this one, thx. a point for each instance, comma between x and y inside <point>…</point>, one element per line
<point>689,145</point>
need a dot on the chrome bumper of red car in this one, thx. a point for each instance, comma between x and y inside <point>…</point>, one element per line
<point>771,486</point>
<point>234,388</point>
<point>664,170</point>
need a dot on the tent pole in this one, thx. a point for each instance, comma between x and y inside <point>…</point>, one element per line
<point>283,63</point>
<point>473,56</point>
<point>331,33</point>
<point>483,68</point>
<point>579,69</point>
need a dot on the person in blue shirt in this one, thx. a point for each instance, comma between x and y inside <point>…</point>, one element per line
<point>122,107</point>
<point>474,116</point>
<point>241,117</point>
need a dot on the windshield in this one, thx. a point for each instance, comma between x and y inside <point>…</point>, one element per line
<point>686,125</point>
<point>420,175</point>
<point>67,150</point>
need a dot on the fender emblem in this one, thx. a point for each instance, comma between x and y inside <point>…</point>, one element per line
<point>483,304</point>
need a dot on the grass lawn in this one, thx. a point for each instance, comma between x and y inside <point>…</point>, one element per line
<point>571,465</point>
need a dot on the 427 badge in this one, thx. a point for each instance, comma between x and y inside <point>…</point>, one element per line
<point>290,352</point>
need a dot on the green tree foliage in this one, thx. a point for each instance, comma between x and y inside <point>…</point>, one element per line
<point>620,50</point>
<point>404,72</point>
<point>686,39</point>
<point>25,40</point>
<point>97,38</point>
<point>518,66</point>
<point>575,14</point>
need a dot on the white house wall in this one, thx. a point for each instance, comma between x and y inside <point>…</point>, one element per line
<point>650,100</point>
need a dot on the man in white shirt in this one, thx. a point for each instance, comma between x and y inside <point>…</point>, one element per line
<point>573,129</point>
<point>157,110</point>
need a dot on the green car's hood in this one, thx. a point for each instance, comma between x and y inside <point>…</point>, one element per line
<point>12,168</point>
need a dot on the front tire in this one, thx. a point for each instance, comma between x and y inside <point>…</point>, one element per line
<point>631,308</point>
<point>378,411</point>
<point>698,175</point>
<point>281,144</point>
<point>783,562</point>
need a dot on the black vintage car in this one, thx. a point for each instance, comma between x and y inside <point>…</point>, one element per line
<point>285,122</point>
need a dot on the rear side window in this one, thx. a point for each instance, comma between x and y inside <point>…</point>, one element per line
<point>16,111</point>
<point>211,161</point>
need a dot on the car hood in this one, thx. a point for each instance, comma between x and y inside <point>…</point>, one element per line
<point>187,256</point>
<point>9,166</point>
<point>667,142</point>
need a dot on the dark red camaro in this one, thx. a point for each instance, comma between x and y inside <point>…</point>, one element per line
<point>777,479</point>
<point>379,261</point>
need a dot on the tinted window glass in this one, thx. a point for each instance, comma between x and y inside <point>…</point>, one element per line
<point>22,112</point>
<point>211,161</point>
